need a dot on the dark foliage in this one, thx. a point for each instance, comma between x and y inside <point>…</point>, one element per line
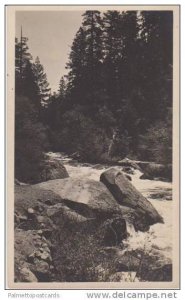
<point>30,134</point>
<point>78,254</point>
<point>114,102</point>
<point>118,90</point>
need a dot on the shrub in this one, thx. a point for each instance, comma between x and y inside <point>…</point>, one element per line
<point>79,256</point>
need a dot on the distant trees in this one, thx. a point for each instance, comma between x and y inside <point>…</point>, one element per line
<point>157,54</point>
<point>116,99</point>
<point>120,78</point>
<point>62,88</point>
<point>156,143</point>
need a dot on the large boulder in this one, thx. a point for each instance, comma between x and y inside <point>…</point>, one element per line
<point>155,171</point>
<point>44,205</point>
<point>48,169</point>
<point>140,211</point>
<point>52,169</point>
<point>87,204</point>
<point>30,207</point>
<point>47,212</point>
<point>89,198</point>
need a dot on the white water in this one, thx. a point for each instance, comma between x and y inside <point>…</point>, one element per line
<point>159,237</point>
<point>158,240</point>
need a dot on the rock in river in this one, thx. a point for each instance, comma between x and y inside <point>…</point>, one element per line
<point>52,169</point>
<point>89,198</point>
<point>141,211</point>
<point>153,171</point>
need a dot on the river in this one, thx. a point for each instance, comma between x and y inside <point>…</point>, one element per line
<point>158,240</point>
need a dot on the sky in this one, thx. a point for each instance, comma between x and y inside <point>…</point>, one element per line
<point>50,35</point>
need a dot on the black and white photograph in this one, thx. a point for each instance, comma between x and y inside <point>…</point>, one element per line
<point>93,112</point>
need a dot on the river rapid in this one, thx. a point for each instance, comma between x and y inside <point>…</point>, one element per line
<point>158,240</point>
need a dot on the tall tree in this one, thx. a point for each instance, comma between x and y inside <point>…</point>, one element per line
<point>157,45</point>
<point>112,56</point>
<point>62,87</point>
<point>25,80</point>
<point>22,57</point>
<point>76,67</point>
<point>30,134</point>
<point>85,60</point>
<point>92,24</point>
<point>41,80</point>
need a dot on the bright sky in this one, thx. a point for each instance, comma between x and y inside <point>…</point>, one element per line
<point>50,36</point>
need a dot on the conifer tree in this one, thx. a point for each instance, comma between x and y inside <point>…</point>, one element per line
<point>76,66</point>
<point>41,80</point>
<point>30,134</point>
<point>85,60</point>
<point>92,24</point>
<point>112,55</point>
<point>157,47</point>
<point>22,57</point>
<point>62,88</point>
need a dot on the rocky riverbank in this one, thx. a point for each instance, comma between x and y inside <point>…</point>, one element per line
<point>92,226</point>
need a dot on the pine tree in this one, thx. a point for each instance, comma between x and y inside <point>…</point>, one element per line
<point>41,80</point>
<point>62,88</point>
<point>25,81</point>
<point>92,24</point>
<point>157,45</point>
<point>76,66</point>
<point>30,134</point>
<point>22,57</point>
<point>85,61</point>
<point>29,87</point>
<point>112,55</point>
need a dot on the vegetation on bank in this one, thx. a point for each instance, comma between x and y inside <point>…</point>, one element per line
<point>115,101</point>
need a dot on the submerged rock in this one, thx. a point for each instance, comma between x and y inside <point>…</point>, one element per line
<point>163,195</point>
<point>153,171</point>
<point>142,212</point>
<point>128,163</point>
<point>128,170</point>
<point>52,169</point>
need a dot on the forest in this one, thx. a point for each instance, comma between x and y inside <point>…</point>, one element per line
<point>114,102</point>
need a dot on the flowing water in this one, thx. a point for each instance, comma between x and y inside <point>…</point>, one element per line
<point>158,239</point>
